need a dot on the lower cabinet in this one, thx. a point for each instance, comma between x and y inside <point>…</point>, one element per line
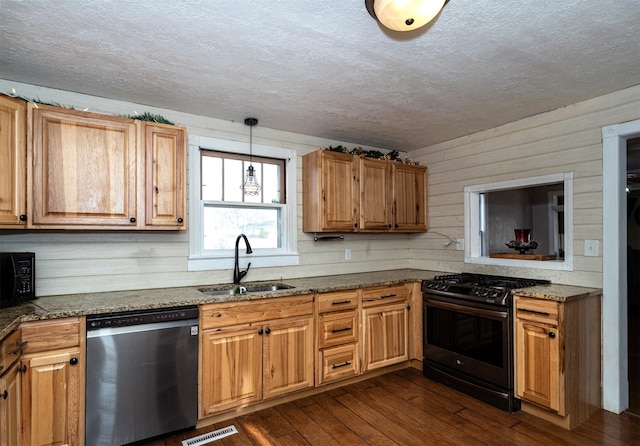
<point>10,407</point>
<point>243,364</point>
<point>385,326</point>
<point>557,358</point>
<point>52,368</point>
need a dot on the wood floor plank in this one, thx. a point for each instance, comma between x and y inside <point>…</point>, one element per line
<point>340,432</point>
<point>405,408</point>
<point>370,434</point>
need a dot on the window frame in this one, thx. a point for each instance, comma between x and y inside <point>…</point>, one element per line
<point>198,259</point>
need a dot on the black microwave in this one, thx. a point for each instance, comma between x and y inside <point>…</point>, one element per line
<point>17,278</point>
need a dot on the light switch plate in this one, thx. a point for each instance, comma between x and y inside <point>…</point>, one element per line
<point>347,254</point>
<point>591,248</point>
<point>459,244</point>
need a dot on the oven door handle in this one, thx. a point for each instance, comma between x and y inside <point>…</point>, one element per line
<point>467,309</point>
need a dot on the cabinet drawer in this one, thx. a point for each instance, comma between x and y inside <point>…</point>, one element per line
<point>337,301</point>
<point>384,295</point>
<point>10,350</point>
<point>50,335</point>
<point>537,310</point>
<point>245,312</point>
<point>337,328</point>
<point>339,362</point>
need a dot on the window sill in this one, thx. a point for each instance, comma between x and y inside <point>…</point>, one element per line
<point>558,265</point>
<point>257,261</point>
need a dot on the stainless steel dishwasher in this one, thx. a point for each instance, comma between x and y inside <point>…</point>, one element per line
<point>142,375</point>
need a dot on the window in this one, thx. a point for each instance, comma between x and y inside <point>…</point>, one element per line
<point>220,212</point>
<point>541,204</point>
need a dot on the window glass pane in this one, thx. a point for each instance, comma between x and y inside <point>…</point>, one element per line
<point>233,179</point>
<point>211,178</point>
<point>223,224</point>
<point>271,183</point>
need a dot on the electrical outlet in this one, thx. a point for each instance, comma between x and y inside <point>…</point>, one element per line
<point>459,244</point>
<point>347,254</point>
<point>591,248</point>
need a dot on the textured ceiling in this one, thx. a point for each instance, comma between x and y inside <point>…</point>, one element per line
<point>325,68</point>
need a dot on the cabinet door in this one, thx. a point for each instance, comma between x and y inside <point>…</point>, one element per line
<point>13,163</point>
<point>386,336</point>
<point>51,411</point>
<point>375,195</point>
<point>409,197</point>
<point>339,199</point>
<point>231,368</point>
<point>538,364</point>
<point>84,172</point>
<point>165,175</point>
<point>10,408</point>
<point>288,356</point>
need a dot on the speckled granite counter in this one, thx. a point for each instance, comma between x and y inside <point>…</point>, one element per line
<point>51,307</point>
<point>559,293</point>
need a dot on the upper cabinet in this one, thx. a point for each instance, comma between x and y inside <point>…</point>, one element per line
<point>84,170</point>
<point>346,193</point>
<point>13,159</point>
<point>69,169</point>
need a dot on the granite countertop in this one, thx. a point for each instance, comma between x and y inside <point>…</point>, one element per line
<point>52,307</point>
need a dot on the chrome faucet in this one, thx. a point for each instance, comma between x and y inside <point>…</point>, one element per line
<point>237,274</point>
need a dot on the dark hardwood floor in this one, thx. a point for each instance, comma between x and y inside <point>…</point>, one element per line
<point>404,408</point>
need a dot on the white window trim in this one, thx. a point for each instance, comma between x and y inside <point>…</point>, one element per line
<point>472,227</point>
<point>261,258</point>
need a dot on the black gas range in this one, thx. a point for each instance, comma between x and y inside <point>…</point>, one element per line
<point>468,334</point>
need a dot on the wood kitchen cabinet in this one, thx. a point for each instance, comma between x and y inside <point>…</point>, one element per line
<point>92,171</point>
<point>330,192</point>
<point>409,197</point>
<point>254,350</point>
<point>385,322</point>
<point>13,162</point>
<point>10,417</point>
<point>338,335</point>
<point>52,382</point>
<point>346,193</point>
<point>165,154</point>
<point>557,358</point>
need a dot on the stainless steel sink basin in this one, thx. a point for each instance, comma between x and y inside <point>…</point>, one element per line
<point>259,288</point>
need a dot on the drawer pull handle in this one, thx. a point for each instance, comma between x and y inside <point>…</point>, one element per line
<point>337,366</point>
<point>338,330</point>
<point>341,302</point>
<point>542,313</point>
<point>19,347</point>
<point>386,296</point>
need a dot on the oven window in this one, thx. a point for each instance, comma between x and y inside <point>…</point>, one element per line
<point>473,336</point>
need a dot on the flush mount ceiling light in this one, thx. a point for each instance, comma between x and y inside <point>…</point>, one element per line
<point>404,15</point>
<point>251,185</point>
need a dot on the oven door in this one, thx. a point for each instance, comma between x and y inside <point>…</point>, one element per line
<point>470,338</point>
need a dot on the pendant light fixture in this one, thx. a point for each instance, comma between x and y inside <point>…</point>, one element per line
<point>404,15</point>
<point>250,185</point>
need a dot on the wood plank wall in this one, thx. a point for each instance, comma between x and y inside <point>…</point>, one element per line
<point>566,139</point>
<point>563,140</point>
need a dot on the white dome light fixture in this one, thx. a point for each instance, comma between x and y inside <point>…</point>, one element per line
<point>404,15</point>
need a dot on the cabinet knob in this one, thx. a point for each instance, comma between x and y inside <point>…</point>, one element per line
<point>552,335</point>
<point>268,331</point>
<point>355,225</point>
<point>73,361</point>
<point>5,394</point>
<point>23,369</point>
<point>260,332</point>
<point>132,220</point>
<point>180,220</point>
<point>23,217</point>
<point>408,307</point>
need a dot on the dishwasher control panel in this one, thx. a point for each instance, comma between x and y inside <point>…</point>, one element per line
<point>127,319</point>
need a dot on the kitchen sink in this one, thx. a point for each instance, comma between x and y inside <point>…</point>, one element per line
<point>258,288</point>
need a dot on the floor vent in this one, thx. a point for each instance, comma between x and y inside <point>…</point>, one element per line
<point>211,436</point>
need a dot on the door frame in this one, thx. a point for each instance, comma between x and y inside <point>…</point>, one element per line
<point>615,361</point>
